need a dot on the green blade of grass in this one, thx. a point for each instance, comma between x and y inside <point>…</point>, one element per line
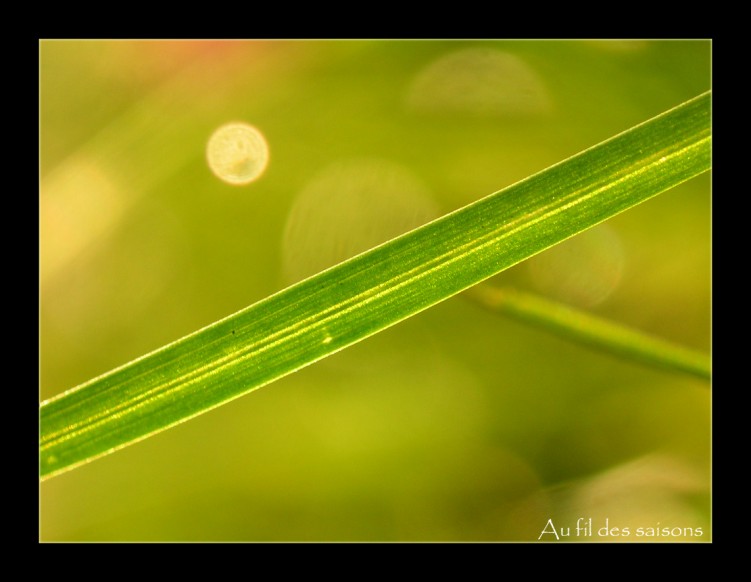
<point>593,331</point>
<point>366,294</point>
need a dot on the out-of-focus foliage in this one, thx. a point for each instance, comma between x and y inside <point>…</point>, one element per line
<point>457,424</point>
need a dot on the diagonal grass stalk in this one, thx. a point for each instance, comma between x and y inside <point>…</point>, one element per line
<point>593,331</point>
<point>375,290</point>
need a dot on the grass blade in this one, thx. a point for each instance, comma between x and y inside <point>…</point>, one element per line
<point>357,298</point>
<point>593,331</point>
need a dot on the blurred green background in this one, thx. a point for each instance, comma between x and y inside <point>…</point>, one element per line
<point>457,424</point>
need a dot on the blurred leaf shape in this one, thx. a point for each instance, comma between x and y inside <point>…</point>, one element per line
<point>348,208</point>
<point>479,81</point>
<point>583,271</point>
<point>82,205</point>
<point>647,494</point>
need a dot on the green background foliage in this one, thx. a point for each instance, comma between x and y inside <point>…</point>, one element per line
<point>457,424</point>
